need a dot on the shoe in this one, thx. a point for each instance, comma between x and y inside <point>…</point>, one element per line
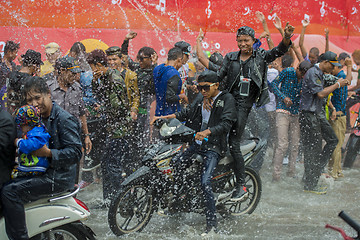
<point>210,230</point>
<point>340,175</point>
<point>285,161</point>
<point>164,213</point>
<point>317,190</point>
<point>239,194</point>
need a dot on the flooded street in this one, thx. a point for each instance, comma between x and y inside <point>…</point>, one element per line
<point>284,212</point>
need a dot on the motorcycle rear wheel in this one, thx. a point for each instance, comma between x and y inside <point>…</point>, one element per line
<point>65,232</point>
<point>249,204</point>
<point>131,210</point>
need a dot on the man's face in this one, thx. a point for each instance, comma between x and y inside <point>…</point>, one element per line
<point>178,63</point>
<point>98,70</point>
<point>313,58</point>
<point>144,61</point>
<point>328,67</point>
<point>208,89</point>
<point>185,58</point>
<point>12,55</point>
<point>42,101</point>
<point>66,76</point>
<point>245,43</point>
<point>114,61</point>
<point>51,57</point>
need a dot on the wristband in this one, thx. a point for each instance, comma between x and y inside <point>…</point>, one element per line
<point>87,134</point>
<point>338,84</point>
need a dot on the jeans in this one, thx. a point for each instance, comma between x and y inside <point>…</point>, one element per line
<point>236,132</point>
<point>210,160</point>
<point>287,125</point>
<point>24,190</point>
<point>117,160</point>
<point>314,127</point>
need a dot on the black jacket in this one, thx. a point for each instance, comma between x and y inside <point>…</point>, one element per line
<point>222,117</point>
<point>258,63</point>
<point>7,147</point>
<point>65,146</point>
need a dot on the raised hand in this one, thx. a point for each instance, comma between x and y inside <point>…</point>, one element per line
<point>305,22</point>
<point>288,30</point>
<point>201,36</point>
<point>277,23</point>
<point>131,35</point>
<point>260,16</point>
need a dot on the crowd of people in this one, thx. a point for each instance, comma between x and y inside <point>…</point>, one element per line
<point>100,106</point>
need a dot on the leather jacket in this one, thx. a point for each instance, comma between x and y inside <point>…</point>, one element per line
<point>65,146</point>
<point>258,63</point>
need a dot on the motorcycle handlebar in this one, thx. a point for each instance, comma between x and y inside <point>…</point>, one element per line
<point>350,221</point>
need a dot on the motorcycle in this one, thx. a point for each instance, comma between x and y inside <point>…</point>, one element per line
<point>55,217</point>
<point>353,144</point>
<point>150,188</point>
<point>349,221</point>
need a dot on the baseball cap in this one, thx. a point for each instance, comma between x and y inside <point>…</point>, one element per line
<point>115,50</point>
<point>331,57</point>
<point>51,48</point>
<point>245,30</point>
<point>208,76</point>
<point>184,46</point>
<point>67,63</point>
<point>32,57</point>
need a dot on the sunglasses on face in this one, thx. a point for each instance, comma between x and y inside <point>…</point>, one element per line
<point>141,58</point>
<point>206,88</point>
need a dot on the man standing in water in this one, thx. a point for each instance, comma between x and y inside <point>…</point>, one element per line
<point>246,81</point>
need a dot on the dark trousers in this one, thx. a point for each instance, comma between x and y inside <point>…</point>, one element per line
<point>313,128</point>
<point>18,192</point>
<point>210,160</point>
<point>236,132</point>
<point>117,160</point>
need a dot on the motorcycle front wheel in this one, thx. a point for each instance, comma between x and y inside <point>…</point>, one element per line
<point>249,204</point>
<point>131,210</point>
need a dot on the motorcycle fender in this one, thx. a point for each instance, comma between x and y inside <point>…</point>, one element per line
<point>137,174</point>
<point>42,217</point>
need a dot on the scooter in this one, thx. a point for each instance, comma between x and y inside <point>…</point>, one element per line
<point>55,217</point>
<point>151,187</point>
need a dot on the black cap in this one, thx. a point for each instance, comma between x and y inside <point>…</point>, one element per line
<point>32,57</point>
<point>67,63</point>
<point>245,30</point>
<point>208,76</point>
<point>115,50</point>
<point>331,57</point>
<point>184,46</point>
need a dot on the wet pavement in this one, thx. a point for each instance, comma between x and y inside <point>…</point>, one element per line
<point>284,212</point>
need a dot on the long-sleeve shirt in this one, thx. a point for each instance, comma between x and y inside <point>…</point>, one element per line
<point>290,87</point>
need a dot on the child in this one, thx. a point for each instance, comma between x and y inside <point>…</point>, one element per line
<point>34,137</point>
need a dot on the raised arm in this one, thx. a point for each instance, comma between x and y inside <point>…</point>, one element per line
<point>199,51</point>
<point>305,23</point>
<point>266,33</point>
<point>327,40</point>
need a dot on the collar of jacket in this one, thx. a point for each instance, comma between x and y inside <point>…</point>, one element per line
<point>53,113</point>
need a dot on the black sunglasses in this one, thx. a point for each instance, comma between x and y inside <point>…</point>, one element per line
<point>141,58</point>
<point>206,88</point>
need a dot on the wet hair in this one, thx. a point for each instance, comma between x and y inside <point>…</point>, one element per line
<point>343,56</point>
<point>174,53</point>
<point>315,51</point>
<point>286,61</point>
<point>304,66</point>
<point>146,51</point>
<point>11,46</point>
<point>37,84</point>
<point>97,56</point>
<point>78,48</point>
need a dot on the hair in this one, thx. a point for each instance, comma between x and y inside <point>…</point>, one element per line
<point>110,51</point>
<point>174,53</point>
<point>11,46</point>
<point>78,48</point>
<point>315,51</point>
<point>97,56</point>
<point>37,84</point>
<point>356,54</point>
<point>343,56</point>
<point>286,61</point>
<point>147,51</point>
<point>304,66</point>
